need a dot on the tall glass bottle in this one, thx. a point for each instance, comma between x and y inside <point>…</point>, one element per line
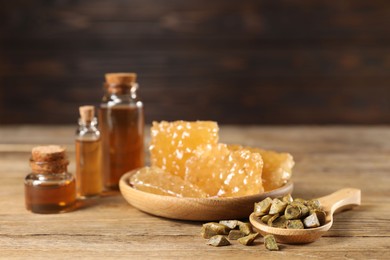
<point>88,154</point>
<point>121,118</point>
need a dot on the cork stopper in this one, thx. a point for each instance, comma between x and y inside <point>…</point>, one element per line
<point>121,78</point>
<point>87,113</point>
<point>48,153</point>
<point>48,159</point>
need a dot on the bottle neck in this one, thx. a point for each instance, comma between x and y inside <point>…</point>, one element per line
<point>88,129</point>
<point>122,89</point>
<point>88,124</point>
<point>121,94</point>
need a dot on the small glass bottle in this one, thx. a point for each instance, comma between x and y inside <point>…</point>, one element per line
<point>88,154</point>
<point>121,118</point>
<point>49,188</point>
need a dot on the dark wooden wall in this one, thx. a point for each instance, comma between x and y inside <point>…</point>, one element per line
<point>247,61</point>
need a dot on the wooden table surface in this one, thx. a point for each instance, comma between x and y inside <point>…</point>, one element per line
<point>327,159</point>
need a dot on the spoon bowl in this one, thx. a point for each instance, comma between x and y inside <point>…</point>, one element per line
<point>340,200</point>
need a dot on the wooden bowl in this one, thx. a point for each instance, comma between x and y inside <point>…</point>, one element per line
<point>199,209</point>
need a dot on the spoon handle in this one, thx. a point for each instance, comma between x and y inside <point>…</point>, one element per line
<point>340,200</point>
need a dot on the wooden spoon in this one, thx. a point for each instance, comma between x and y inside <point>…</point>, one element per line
<point>333,203</point>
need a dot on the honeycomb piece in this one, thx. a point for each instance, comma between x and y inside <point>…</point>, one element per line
<point>224,173</point>
<point>157,181</point>
<point>172,143</point>
<point>277,167</point>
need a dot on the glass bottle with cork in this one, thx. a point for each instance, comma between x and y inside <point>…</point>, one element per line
<point>121,118</point>
<point>88,154</point>
<point>49,188</point>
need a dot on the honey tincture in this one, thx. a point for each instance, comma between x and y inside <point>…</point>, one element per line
<point>121,119</point>
<point>49,188</point>
<point>88,154</point>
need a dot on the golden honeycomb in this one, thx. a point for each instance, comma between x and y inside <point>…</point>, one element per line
<point>221,172</point>
<point>157,181</point>
<point>277,167</point>
<point>188,161</point>
<point>172,143</point>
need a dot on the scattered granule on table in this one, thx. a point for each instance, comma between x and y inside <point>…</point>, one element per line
<point>232,224</point>
<point>218,240</point>
<point>245,227</point>
<point>212,228</point>
<point>248,240</point>
<point>235,234</point>
<point>270,243</point>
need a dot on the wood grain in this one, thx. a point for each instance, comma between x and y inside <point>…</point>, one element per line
<point>327,159</point>
<point>252,62</point>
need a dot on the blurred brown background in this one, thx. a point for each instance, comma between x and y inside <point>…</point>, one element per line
<point>247,62</point>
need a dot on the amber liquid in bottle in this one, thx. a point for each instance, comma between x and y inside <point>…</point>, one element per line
<point>122,141</point>
<point>88,173</point>
<point>49,197</point>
